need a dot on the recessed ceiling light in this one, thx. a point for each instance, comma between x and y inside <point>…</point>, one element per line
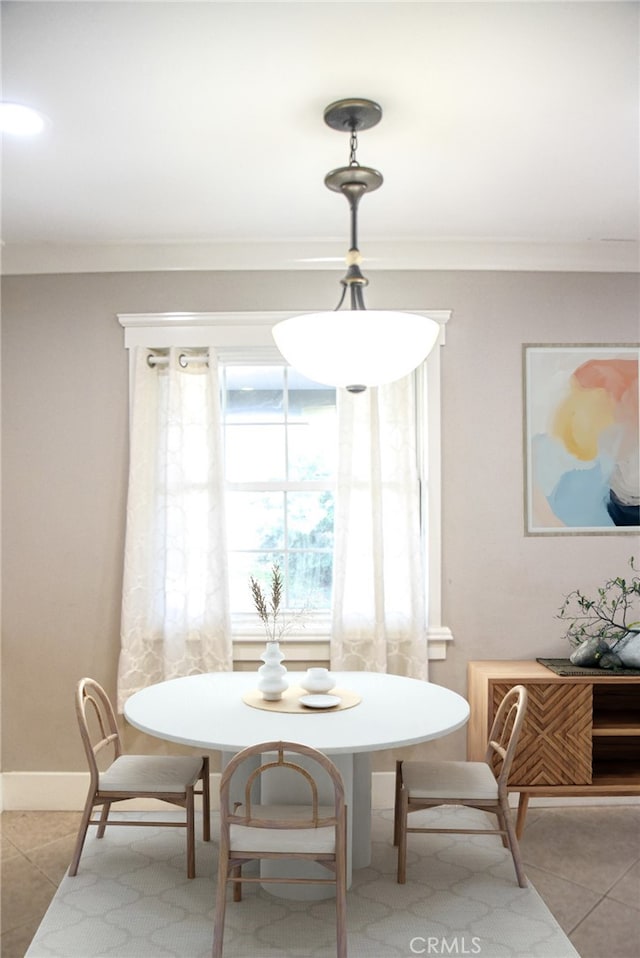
<point>20,120</point>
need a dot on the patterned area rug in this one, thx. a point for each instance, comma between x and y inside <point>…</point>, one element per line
<point>132,898</point>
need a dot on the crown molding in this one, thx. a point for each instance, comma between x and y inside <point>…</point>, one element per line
<point>602,256</point>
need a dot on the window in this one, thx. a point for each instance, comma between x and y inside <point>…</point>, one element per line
<point>278,432</point>
<point>280,456</point>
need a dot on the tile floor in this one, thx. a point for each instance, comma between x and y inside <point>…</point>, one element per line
<point>584,862</point>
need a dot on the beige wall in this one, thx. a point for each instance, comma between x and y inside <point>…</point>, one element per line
<point>64,428</point>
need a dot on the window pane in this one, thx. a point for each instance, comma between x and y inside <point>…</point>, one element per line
<point>309,577</point>
<point>312,450</point>
<point>243,565</point>
<point>255,453</point>
<point>254,416</point>
<point>312,429</point>
<point>310,520</point>
<point>255,520</point>
<point>254,393</point>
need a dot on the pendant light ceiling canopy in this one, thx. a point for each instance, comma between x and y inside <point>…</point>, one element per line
<point>355,347</point>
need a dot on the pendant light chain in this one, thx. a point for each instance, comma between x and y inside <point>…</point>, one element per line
<point>353,146</point>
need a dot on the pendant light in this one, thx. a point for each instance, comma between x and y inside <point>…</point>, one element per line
<point>355,347</point>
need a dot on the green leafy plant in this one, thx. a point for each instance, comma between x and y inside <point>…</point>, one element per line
<point>611,616</point>
<point>269,606</point>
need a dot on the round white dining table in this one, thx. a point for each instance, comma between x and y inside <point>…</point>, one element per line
<point>207,711</point>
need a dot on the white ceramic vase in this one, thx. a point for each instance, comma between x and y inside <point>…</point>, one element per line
<point>271,676</point>
<point>318,681</point>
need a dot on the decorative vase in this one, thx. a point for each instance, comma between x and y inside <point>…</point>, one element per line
<point>271,676</point>
<point>318,681</point>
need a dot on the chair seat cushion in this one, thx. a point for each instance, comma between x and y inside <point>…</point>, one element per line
<point>471,780</point>
<point>249,838</point>
<point>151,773</point>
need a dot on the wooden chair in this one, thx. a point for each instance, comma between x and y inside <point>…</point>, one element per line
<point>170,778</point>
<point>482,785</point>
<point>250,831</point>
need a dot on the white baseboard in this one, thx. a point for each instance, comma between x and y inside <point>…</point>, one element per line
<point>66,792</point>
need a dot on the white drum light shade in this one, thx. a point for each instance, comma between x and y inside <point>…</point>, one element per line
<point>356,347</point>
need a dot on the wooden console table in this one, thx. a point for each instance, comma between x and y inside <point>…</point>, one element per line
<point>581,734</point>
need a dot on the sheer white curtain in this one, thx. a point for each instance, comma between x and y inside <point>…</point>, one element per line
<point>379,617</point>
<point>175,615</point>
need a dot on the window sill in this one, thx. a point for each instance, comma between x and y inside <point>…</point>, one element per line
<point>308,648</point>
<point>300,652</point>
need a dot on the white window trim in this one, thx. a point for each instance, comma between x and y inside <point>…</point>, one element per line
<point>231,334</point>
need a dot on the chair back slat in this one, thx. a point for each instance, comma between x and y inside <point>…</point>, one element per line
<point>98,725</point>
<point>281,763</point>
<point>246,814</point>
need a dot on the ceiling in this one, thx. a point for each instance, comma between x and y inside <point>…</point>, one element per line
<point>190,134</point>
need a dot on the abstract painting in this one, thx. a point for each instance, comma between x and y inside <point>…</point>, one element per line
<point>582,462</point>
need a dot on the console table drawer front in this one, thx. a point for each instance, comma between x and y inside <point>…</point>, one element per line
<point>555,743</point>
